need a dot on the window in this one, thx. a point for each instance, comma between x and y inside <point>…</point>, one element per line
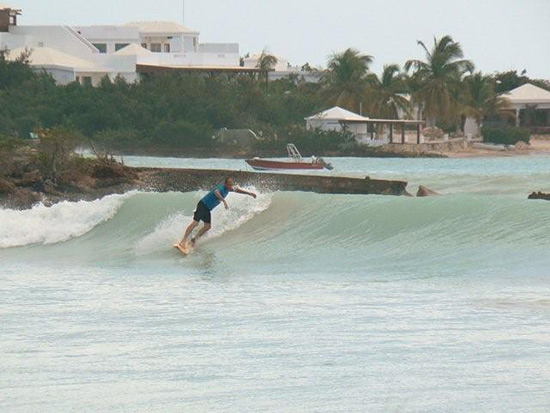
<point>87,80</point>
<point>167,48</point>
<point>144,45</point>
<point>155,47</point>
<point>102,47</point>
<point>119,46</point>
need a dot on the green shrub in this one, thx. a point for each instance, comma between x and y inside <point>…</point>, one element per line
<point>182,134</point>
<point>314,142</point>
<point>505,135</point>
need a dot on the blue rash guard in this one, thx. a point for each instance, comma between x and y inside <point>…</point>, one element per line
<point>211,200</point>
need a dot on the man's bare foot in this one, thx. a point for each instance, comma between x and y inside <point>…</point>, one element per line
<point>183,247</point>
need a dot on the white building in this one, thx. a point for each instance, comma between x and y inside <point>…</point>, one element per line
<point>111,50</point>
<point>283,69</point>
<point>531,105</point>
<point>338,119</point>
<point>372,132</point>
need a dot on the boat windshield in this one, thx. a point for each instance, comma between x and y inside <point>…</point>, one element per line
<point>293,152</point>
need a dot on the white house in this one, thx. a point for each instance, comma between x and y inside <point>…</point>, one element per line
<point>531,105</point>
<point>381,131</point>
<point>62,66</point>
<point>338,119</point>
<point>169,44</point>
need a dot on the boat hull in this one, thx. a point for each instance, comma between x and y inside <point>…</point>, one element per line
<point>267,165</point>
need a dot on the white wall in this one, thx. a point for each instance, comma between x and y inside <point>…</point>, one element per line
<point>57,37</point>
<point>359,130</point>
<point>471,127</point>
<point>62,75</point>
<point>190,59</point>
<point>109,35</point>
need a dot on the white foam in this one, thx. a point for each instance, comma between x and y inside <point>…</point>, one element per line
<point>57,223</point>
<point>242,208</point>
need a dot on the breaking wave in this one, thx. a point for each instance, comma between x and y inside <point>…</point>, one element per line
<point>459,232</point>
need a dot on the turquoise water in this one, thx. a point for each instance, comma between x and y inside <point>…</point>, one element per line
<point>295,302</point>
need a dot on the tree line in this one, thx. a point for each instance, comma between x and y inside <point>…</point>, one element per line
<point>181,111</point>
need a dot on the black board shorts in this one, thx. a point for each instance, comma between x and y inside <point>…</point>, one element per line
<point>202,213</point>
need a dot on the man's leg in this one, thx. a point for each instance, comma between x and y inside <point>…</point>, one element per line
<point>202,231</point>
<point>188,232</point>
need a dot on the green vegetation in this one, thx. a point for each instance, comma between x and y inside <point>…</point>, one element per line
<point>480,100</point>
<point>345,83</point>
<point>505,135</point>
<point>385,94</point>
<point>178,113</point>
<point>439,79</point>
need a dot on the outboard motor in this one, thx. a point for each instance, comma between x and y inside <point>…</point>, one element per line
<point>327,165</point>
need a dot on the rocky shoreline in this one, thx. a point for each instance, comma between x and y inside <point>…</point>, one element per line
<point>26,189</point>
<point>22,192</point>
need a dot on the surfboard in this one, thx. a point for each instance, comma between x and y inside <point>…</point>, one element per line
<point>185,250</point>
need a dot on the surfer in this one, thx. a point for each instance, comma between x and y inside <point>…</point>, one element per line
<point>203,211</point>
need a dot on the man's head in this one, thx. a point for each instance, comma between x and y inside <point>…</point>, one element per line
<point>229,183</point>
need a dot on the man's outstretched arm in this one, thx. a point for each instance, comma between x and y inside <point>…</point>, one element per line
<point>242,191</point>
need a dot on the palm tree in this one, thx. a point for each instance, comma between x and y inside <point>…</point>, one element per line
<point>267,61</point>
<point>439,78</point>
<point>480,100</point>
<point>346,77</point>
<point>386,94</point>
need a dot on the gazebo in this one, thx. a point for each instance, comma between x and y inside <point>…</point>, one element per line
<point>338,119</point>
<point>532,107</point>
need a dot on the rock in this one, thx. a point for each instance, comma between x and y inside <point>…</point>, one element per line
<point>433,133</point>
<point>112,171</point>
<point>540,195</point>
<point>31,178</point>
<point>6,187</point>
<point>423,192</point>
<point>489,146</point>
<point>49,186</point>
<point>522,146</point>
<point>23,198</point>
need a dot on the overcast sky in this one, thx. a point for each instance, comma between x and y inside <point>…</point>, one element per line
<point>497,35</point>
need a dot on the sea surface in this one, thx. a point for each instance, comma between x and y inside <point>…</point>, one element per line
<point>294,302</point>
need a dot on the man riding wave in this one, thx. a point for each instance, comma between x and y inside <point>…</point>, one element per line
<point>203,211</point>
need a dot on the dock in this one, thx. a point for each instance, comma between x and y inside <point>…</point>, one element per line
<point>185,180</point>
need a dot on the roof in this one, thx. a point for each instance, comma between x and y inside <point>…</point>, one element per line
<point>109,32</point>
<point>337,113</point>
<point>528,93</point>
<point>46,56</point>
<point>257,56</point>
<point>4,6</point>
<point>150,68</point>
<point>160,27</point>
<point>133,49</point>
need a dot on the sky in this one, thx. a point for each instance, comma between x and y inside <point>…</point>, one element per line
<point>498,35</point>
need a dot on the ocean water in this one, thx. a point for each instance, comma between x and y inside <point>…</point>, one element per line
<point>294,302</point>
